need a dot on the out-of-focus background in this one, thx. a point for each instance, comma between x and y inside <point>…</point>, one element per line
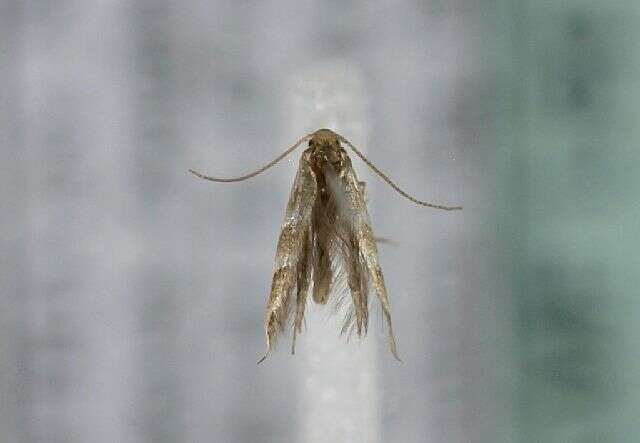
<point>132,294</point>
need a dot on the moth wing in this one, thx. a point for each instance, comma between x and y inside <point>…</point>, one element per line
<point>355,209</point>
<point>291,252</point>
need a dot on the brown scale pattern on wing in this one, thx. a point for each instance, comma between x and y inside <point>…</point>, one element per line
<point>326,246</point>
<point>290,254</point>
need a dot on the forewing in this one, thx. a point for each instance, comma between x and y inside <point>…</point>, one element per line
<point>354,210</point>
<point>291,254</point>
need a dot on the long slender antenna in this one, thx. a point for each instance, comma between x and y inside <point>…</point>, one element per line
<point>392,184</point>
<point>256,172</point>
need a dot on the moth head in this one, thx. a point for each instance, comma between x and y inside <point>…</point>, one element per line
<point>326,144</point>
<point>325,138</point>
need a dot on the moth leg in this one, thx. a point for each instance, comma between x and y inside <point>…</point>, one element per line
<point>387,241</point>
<point>362,187</point>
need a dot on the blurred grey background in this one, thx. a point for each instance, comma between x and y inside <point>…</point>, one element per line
<point>132,294</point>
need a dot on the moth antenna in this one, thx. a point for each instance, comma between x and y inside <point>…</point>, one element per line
<point>392,184</point>
<point>256,172</point>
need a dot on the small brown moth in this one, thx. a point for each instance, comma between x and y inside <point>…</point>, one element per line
<point>326,243</point>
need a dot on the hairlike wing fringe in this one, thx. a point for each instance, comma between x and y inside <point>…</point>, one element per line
<point>350,282</point>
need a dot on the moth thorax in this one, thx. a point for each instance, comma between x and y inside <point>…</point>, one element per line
<point>328,154</point>
<point>326,146</point>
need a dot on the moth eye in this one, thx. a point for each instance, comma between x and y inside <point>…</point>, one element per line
<point>311,142</point>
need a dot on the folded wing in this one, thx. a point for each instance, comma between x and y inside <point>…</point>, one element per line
<point>290,268</point>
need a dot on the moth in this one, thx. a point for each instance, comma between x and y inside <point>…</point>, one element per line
<point>326,249</point>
